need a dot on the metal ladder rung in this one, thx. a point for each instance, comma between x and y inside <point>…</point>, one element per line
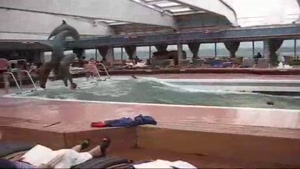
<point>13,76</point>
<point>16,81</point>
<point>30,77</point>
<point>98,74</point>
<point>107,74</point>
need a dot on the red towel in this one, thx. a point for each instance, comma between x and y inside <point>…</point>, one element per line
<point>98,124</point>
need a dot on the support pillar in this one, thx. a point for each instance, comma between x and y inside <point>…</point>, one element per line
<point>216,50</point>
<point>253,48</point>
<point>295,48</point>
<point>232,47</point>
<point>107,53</point>
<point>122,53</point>
<point>150,52</point>
<point>131,52</point>
<point>96,55</point>
<point>266,51</point>
<point>110,57</point>
<point>194,48</point>
<point>78,52</point>
<point>180,51</point>
<point>161,48</point>
<point>270,48</point>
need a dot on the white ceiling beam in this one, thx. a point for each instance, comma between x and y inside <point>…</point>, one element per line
<point>214,6</point>
<point>19,22</point>
<point>119,10</point>
<point>22,36</point>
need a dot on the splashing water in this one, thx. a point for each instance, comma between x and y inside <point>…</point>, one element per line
<point>152,90</point>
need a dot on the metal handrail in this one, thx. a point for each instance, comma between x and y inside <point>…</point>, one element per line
<point>13,76</point>
<point>107,74</point>
<point>18,70</point>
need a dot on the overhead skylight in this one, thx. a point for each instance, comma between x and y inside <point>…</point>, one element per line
<point>172,7</point>
<point>180,10</point>
<point>168,4</point>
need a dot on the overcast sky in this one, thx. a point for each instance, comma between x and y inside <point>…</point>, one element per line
<point>266,11</point>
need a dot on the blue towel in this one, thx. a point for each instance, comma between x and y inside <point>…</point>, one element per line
<point>225,65</point>
<point>129,122</point>
<point>122,122</point>
<point>142,120</point>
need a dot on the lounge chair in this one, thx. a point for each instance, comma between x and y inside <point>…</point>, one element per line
<point>184,64</point>
<point>197,63</point>
<point>248,63</point>
<point>9,150</point>
<point>166,63</point>
<point>288,60</point>
<point>263,63</point>
<point>161,64</point>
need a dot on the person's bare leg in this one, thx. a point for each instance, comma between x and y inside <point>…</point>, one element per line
<point>77,148</point>
<point>95,152</point>
<point>83,145</point>
<point>100,151</point>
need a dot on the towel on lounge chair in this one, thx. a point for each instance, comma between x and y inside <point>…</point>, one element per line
<point>165,164</point>
<point>126,122</point>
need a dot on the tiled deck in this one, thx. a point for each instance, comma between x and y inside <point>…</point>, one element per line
<point>72,119</point>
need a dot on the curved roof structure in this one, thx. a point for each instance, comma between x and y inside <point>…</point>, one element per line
<point>35,19</point>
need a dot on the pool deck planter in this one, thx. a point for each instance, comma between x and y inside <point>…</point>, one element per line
<point>257,136</point>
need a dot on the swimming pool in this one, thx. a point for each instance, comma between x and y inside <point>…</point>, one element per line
<point>224,93</point>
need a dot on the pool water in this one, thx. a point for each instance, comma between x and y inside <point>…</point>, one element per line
<point>151,90</point>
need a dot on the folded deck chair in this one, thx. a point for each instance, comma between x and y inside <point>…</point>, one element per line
<point>248,63</point>
<point>197,63</point>
<point>160,64</point>
<point>166,63</point>
<point>184,63</point>
<point>263,63</point>
<point>9,149</point>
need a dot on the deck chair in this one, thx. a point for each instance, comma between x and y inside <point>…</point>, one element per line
<point>197,63</point>
<point>288,60</point>
<point>164,64</point>
<point>154,64</point>
<point>184,63</point>
<point>9,150</point>
<point>263,63</point>
<point>248,63</point>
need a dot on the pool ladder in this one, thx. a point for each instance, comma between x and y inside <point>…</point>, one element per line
<point>10,71</point>
<point>98,74</point>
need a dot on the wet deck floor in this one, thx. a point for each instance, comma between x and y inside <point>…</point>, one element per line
<point>68,114</point>
<point>51,111</point>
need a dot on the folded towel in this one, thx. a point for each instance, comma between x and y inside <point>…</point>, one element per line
<point>122,122</point>
<point>126,122</point>
<point>142,120</point>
